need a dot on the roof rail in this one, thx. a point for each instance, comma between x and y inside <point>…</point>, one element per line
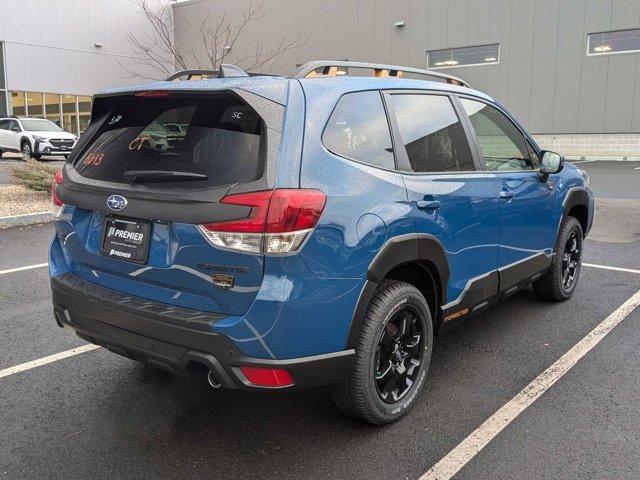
<point>333,68</point>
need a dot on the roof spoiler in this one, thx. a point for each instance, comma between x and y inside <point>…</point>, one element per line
<point>226,71</point>
<point>332,68</point>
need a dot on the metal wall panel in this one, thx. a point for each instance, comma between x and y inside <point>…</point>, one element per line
<point>543,64</point>
<point>621,79</point>
<point>51,44</point>
<point>593,81</point>
<point>520,55</point>
<point>568,61</point>
<point>544,75</point>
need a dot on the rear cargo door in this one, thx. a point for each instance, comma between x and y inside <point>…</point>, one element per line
<point>141,190</point>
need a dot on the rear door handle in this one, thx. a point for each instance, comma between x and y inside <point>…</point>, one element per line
<point>428,204</point>
<point>506,195</point>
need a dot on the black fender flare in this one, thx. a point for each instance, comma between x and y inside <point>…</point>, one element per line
<point>578,196</point>
<point>26,139</point>
<point>397,251</point>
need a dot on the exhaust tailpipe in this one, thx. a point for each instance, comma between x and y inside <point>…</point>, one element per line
<point>213,381</point>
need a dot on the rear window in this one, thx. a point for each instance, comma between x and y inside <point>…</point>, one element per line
<point>358,130</point>
<point>177,141</point>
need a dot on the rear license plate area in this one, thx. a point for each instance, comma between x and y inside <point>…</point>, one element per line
<point>126,239</point>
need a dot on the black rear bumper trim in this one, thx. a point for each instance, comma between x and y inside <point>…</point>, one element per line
<point>96,315</point>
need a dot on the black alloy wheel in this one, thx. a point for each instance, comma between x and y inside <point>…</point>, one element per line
<point>26,149</point>
<point>559,281</point>
<point>392,356</point>
<point>399,354</point>
<point>571,260</point>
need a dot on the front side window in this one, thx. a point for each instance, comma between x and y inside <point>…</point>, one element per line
<point>431,133</point>
<point>203,140</point>
<point>358,130</point>
<point>503,145</point>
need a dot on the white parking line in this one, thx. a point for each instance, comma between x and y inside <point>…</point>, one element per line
<point>592,265</point>
<point>44,360</point>
<point>448,466</point>
<point>20,269</point>
<point>87,348</point>
<point>607,267</point>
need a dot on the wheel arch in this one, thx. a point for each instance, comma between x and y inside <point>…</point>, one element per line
<point>577,204</point>
<point>24,139</point>
<point>418,259</point>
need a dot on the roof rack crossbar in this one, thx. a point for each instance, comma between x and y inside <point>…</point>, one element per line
<point>331,68</point>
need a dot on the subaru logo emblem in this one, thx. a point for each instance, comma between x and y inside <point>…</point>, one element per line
<point>116,202</point>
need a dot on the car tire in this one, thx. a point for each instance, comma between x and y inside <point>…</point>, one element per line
<point>366,394</point>
<point>36,156</point>
<point>1,152</point>
<point>25,148</point>
<point>559,282</point>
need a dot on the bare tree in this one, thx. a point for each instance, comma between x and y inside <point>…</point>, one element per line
<point>156,51</point>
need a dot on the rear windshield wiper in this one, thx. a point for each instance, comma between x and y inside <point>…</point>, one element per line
<point>157,176</point>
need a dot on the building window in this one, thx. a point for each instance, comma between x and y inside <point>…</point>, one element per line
<point>52,108</point>
<point>608,43</point>
<point>69,114</point>
<point>18,104</point>
<point>4,104</point>
<point>464,57</point>
<point>2,79</point>
<point>84,112</point>
<point>34,104</point>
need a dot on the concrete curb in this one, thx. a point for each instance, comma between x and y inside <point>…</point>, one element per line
<point>27,219</point>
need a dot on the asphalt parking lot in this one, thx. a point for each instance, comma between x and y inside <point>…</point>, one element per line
<point>97,415</point>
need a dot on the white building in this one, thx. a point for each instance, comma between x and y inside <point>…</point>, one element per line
<point>55,54</point>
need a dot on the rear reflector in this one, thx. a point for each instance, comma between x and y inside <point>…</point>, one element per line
<point>267,377</point>
<point>278,223</point>
<point>57,203</point>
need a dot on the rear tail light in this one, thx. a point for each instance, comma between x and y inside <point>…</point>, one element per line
<point>279,222</point>
<point>55,200</point>
<point>267,377</point>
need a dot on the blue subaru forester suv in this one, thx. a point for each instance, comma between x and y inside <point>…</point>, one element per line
<point>290,232</point>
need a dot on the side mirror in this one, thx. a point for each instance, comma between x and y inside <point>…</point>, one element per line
<point>552,162</point>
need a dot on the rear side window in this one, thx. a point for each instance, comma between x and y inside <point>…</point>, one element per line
<point>432,133</point>
<point>358,130</point>
<point>176,141</point>
<point>503,145</point>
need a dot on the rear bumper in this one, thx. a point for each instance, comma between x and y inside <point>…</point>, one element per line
<point>174,339</point>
